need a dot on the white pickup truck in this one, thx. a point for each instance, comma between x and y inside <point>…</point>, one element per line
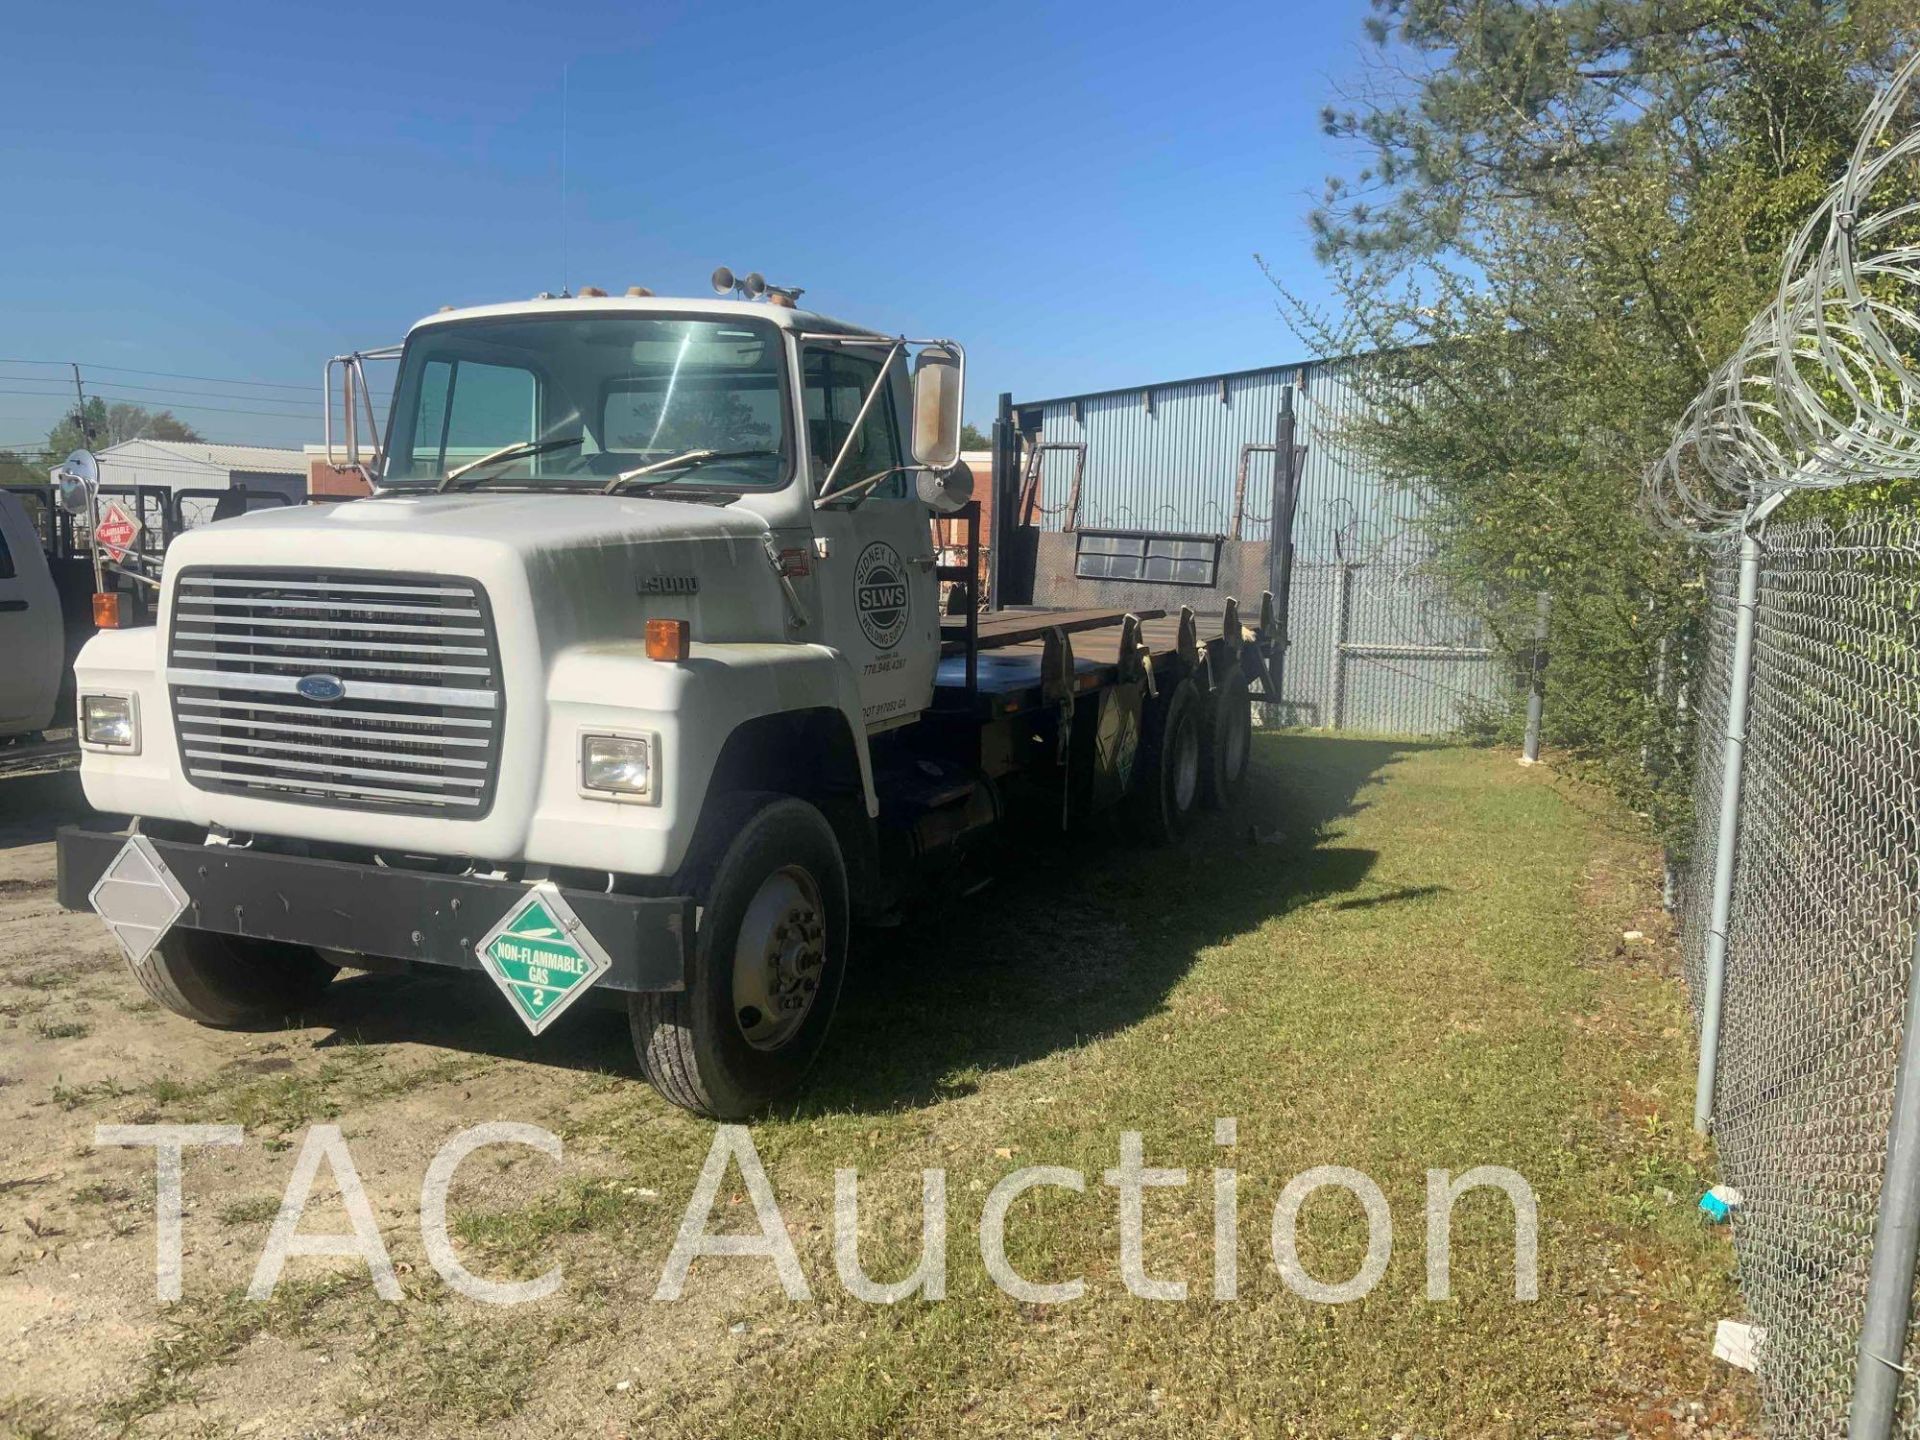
<point>631,679</point>
<point>31,629</point>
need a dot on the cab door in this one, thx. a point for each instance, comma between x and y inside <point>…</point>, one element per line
<point>32,635</point>
<point>873,564</point>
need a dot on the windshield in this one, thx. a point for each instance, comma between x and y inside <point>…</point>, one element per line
<point>580,399</point>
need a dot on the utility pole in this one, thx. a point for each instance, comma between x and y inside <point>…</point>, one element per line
<point>80,410</point>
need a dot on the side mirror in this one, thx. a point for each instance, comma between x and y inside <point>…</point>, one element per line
<point>78,477</point>
<point>945,491</point>
<point>939,383</point>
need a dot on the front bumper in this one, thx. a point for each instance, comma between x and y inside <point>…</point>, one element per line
<point>373,910</point>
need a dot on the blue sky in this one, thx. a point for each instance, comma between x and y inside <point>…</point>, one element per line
<point>239,191</point>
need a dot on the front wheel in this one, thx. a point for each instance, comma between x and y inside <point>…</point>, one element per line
<point>768,960</point>
<point>231,981</point>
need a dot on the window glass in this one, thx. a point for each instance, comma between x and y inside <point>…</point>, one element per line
<point>696,414</point>
<point>1161,559</point>
<point>837,383</point>
<point>624,390</point>
<point>7,571</point>
<point>430,429</point>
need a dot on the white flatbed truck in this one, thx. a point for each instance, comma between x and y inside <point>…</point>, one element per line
<point>630,679</point>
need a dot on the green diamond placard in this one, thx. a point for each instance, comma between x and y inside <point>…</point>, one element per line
<point>541,956</point>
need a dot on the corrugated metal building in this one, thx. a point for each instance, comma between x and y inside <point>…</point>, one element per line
<point>1377,644</point>
<point>197,465</point>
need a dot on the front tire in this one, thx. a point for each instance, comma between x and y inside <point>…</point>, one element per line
<point>230,981</point>
<point>768,961</point>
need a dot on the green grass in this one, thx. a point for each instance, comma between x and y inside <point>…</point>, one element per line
<point>282,1102</point>
<point>522,1237</point>
<point>254,1210</point>
<point>1417,975</point>
<point>199,1334</point>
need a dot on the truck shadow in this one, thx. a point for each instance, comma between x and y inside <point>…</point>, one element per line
<point>32,807</point>
<point>1071,941</point>
<point>1077,941</point>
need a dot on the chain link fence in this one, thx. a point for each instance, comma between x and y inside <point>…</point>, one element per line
<point>1800,899</point>
<point>1820,936</point>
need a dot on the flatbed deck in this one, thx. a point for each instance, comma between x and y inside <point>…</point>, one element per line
<point>1012,651</point>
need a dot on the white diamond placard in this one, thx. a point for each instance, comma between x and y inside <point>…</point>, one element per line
<point>138,898</point>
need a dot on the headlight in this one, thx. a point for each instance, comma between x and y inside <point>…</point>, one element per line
<point>618,766</point>
<point>109,721</point>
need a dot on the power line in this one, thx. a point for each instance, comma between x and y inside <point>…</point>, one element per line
<point>166,374</point>
<point>154,397</point>
<point>163,391</point>
<point>220,409</point>
<point>131,400</point>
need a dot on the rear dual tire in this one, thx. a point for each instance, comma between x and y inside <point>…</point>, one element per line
<point>1226,742</point>
<point>1166,785</point>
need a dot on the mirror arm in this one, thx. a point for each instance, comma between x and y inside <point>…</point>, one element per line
<point>866,405</point>
<point>859,489</point>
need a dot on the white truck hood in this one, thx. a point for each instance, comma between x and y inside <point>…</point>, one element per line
<point>563,576</point>
<point>524,523</point>
<point>590,567</point>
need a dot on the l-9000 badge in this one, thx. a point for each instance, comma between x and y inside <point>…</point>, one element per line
<point>880,594</point>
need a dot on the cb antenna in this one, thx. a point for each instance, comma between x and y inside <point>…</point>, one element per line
<point>566,257</point>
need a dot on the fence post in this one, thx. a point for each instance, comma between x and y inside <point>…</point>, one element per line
<point>1530,752</point>
<point>1286,499</point>
<point>1003,498</point>
<point>1896,1242</point>
<point>1732,768</point>
<point>1337,655</point>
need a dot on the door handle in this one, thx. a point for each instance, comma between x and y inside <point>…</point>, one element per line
<point>8,607</point>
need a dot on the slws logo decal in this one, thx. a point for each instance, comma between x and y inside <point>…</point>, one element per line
<point>880,594</point>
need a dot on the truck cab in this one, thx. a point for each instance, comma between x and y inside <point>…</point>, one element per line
<point>624,680</point>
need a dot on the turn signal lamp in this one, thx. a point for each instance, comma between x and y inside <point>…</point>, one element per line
<point>668,639</point>
<point>112,610</point>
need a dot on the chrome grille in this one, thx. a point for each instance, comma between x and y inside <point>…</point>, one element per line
<point>417,727</point>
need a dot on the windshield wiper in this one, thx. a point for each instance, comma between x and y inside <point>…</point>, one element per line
<point>685,460</point>
<point>519,450</point>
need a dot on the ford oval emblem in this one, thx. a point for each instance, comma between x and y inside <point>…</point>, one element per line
<point>320,687</point>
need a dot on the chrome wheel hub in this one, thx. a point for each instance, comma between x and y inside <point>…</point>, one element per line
<point>778,958</point>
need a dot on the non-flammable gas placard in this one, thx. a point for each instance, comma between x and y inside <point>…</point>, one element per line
<point>542,957</point>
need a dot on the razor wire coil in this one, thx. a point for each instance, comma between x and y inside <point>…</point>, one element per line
<point>1824,388</point>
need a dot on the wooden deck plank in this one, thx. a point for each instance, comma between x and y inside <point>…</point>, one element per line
<point>1102,645</point>
<point>1006,628</point>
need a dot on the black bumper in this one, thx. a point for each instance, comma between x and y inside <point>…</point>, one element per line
<point>373,910</point>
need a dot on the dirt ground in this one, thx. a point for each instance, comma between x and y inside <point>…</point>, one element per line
<point>84,1346</point>
<point>995,1069</point>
